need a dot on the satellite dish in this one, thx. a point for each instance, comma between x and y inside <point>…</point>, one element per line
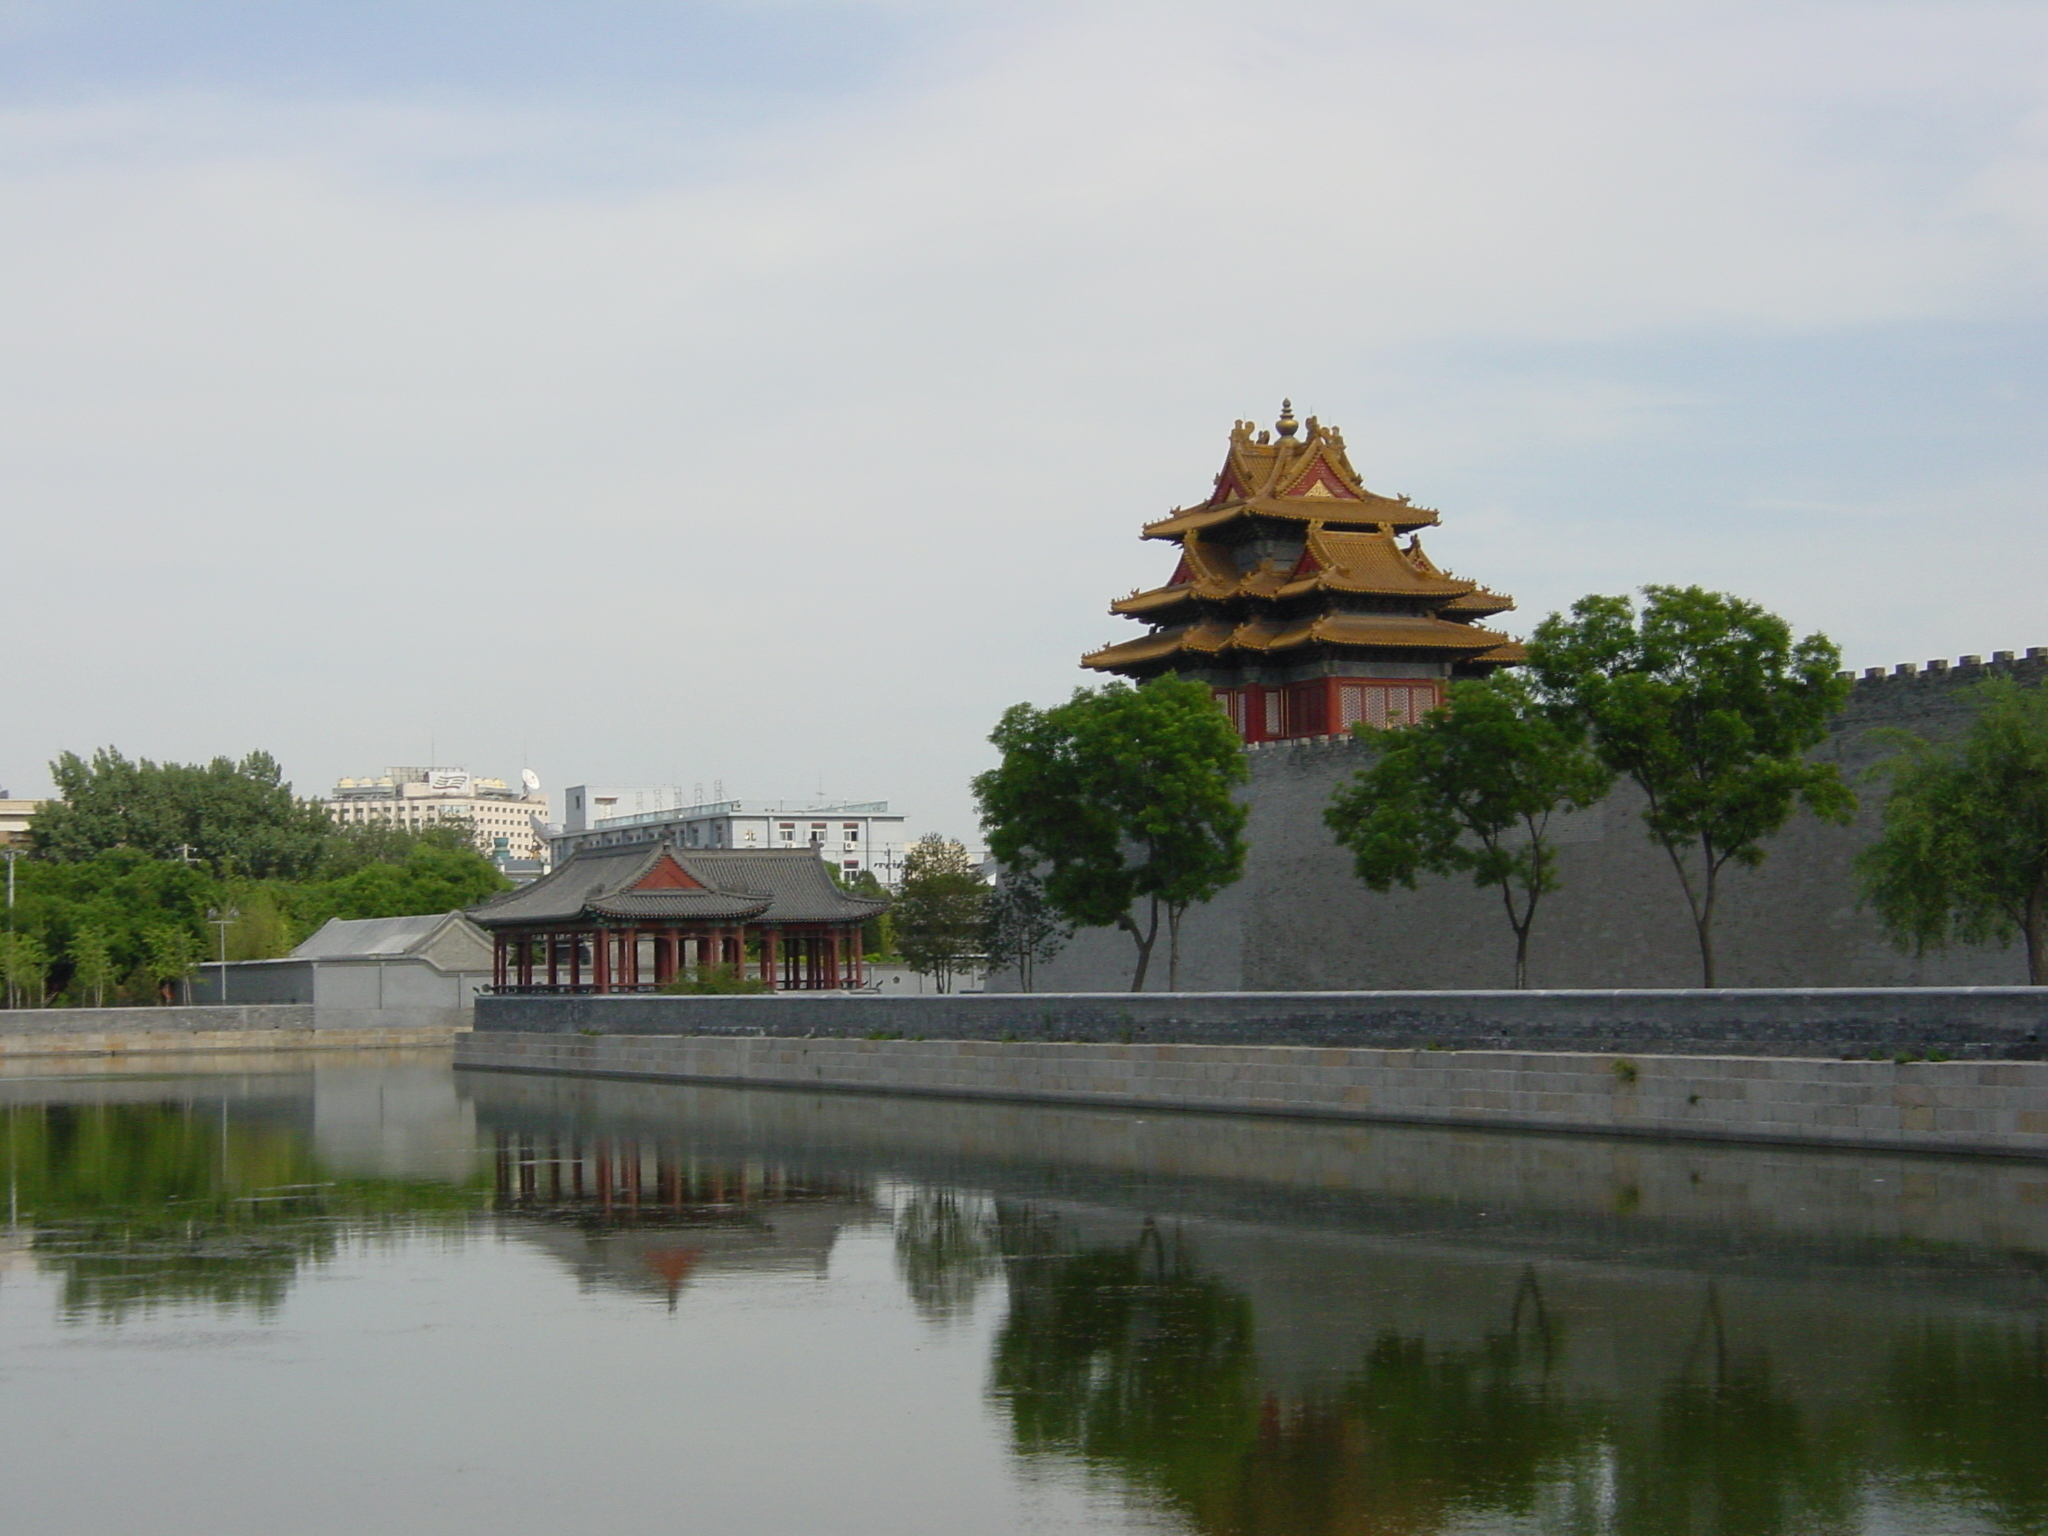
<point>531,780</point>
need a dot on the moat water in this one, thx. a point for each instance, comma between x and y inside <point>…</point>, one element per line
<point>351,1294</point>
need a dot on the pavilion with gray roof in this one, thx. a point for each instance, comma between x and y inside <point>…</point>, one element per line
<point>635,918</point>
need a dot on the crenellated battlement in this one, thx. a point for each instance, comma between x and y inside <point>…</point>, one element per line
<point>2030,665</point>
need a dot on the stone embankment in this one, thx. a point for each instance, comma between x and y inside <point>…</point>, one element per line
<point>220,1027</point>
<point>1954,1071</point>
<point>1954,1106</point>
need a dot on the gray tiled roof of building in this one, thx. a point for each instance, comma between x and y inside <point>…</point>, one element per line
<point>777,885</point>
<point>361,938</point>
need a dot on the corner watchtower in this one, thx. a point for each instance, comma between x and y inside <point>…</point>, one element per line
<point>1305,600</point>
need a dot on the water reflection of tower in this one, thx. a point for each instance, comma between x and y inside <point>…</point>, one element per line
<point>647,1215</point>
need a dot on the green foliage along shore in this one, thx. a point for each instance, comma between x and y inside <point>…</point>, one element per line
<point>1964,855</point>
<point>116,901</point>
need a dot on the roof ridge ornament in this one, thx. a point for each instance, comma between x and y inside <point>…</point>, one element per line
<point>1287,426</point>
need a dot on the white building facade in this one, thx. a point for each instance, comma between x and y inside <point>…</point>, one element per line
<point>507,821</point>
<point>855,837</point>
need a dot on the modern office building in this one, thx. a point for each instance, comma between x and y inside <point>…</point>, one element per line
<point>853,836</point>
<point>15,816</point>
<point>507,821</point>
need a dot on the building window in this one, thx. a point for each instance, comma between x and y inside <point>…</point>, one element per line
<point>1384,705</point>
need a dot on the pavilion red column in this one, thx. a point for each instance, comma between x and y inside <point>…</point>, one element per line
<point>768,957</point>
<point>575,960</point>
<point>601,960</point>
<point>832,963</point>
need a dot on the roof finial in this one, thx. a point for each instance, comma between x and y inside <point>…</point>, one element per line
<point>1286,426</point>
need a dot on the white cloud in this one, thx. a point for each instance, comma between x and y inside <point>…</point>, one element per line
<point>659,450</point>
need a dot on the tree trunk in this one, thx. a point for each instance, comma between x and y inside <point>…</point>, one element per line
<point>2037,952</point>
<point>1144,939</point>
<point>1173,914</point>
<point>1703,919</point>
<point>1702,911</point>
<point>1521,923</point>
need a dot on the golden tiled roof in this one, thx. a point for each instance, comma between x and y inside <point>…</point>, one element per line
<point>1363,631</point>
<point>1351,550</point>
<point>1479,601</point>
<point>1309,479</point>
<point>1370,561</point>
<point>1339,560</point>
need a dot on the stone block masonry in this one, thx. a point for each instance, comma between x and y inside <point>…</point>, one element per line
<point>229,1027</point>
<point>1958,1106</point>
<point>1989,1022</point>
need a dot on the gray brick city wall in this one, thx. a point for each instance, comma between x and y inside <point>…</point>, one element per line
<point>1299,919</point>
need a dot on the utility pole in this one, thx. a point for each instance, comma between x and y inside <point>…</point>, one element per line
<point>220,918</point>
<point>12,855</point>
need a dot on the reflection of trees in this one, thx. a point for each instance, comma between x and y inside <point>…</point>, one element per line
<point>1127,1354</point>
<point>1130,1355</point>
<point>1970,1420</point>
<point>1728,1450</point>
<point>945,1251</point>
<point>1134,1357</point>
<point>140,1205</point>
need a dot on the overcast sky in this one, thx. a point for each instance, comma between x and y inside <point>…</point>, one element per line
<point>769,394</point>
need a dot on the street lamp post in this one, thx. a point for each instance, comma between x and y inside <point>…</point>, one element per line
<point>220,918</point>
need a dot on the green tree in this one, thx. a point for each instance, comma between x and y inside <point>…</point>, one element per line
<point>1122,797</point>
<point>1964,852</point>
<point>1470,788</point>
<point>938,910</point>
<point>1707,703</point>
<point>238,816</point>
<point>877,934</point>
<point>92,966</point>
<point>351,846</point>
<point>119,894</point>
<point>25,969</point>
<point>1021,929</point>
<point>434,877</point>
<point>170,954</point>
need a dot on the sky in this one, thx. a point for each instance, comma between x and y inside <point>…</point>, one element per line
<point>763,396</point>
